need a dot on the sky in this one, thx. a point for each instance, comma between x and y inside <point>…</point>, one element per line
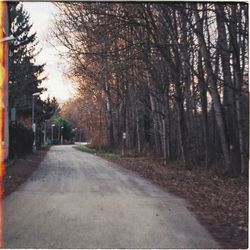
<point>41,14</point>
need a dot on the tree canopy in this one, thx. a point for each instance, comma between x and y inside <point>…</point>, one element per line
<point>172,76</point>
<point>64,126</point>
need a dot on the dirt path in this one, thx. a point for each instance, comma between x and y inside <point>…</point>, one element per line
<point>78,200</point>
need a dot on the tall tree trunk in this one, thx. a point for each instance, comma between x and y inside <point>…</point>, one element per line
<point>228,95</point>
<point>155,125</point>
<point>238,79</point>
<point>138,131</point>
<point>212,80</point>
<point>110,113</point>
<point>203,96</point>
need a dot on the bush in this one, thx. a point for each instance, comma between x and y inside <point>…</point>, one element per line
<point>20,140</point>
<point>39,138</point>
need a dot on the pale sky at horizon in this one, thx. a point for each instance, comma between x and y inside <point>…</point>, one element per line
<point>57,85</point>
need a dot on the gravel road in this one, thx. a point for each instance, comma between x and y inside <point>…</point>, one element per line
<point>78,200</point>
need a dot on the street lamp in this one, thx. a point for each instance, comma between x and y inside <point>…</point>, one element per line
<point>45,132</point>
<point>62,135</point>
<point>74,129</point>
<point>76,133</point>
<point>33,119</point>
<point>7,39</point>
<point>52,139</point>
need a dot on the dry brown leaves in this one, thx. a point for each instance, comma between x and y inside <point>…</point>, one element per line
<point>19,170</point>
<point>220,203</point>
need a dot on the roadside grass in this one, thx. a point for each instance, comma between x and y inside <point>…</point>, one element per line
<point>85,148</point>
<point>105,154</point>
<point>111,155</point>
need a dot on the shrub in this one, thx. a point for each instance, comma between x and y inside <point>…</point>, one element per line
<point>20,140</point>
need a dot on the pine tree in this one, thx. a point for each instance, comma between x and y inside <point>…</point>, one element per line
<point>24,73</point>
<point>50,107</point>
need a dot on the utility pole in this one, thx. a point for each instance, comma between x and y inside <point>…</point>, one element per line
<point>123,143</point>
<point>75,134</point>
<point>33,119</point>
<point>62,134</point>
<point>52,139</point>
<point>45,132</point>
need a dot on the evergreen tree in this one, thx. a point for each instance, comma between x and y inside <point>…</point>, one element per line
<point>24,74</point>
<point>50,107</point>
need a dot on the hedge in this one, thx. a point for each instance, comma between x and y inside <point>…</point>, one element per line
<point>20,140</point>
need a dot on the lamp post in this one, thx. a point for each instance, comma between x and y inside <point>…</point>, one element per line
<point>33,119</point>
<point>52,139</point>
<point>62,134</point>
<point>76,133</point>
<point>74,129</point>
<point>45,132</point>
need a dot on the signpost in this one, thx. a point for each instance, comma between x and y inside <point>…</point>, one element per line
<point>123,143</point>
<point>62,134</point>
<point>13,115</point>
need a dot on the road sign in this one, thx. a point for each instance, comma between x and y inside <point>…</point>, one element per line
<point>13,114</point>
<point>124,135</point>
<point>34,127</point>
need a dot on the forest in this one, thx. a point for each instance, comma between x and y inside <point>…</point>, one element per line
<point>165,78</point>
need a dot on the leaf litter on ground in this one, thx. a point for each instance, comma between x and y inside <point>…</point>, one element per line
<point>219,202</point>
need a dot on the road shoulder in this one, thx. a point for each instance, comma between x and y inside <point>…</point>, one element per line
<point>17,171</point>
